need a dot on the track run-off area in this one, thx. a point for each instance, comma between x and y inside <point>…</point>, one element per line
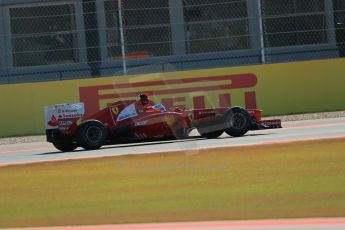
<point>292,224</point>
<point>27,153</point>
<point>293,131</point>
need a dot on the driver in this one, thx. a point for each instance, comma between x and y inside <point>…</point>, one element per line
<point>144,100</point>
<point>144,103</point>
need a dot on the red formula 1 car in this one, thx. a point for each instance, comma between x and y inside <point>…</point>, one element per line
<point>125,121</point>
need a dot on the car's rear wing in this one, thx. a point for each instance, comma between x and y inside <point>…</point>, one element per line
<point>62,116</point>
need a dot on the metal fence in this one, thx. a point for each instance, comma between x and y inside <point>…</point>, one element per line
<point>49,40</point>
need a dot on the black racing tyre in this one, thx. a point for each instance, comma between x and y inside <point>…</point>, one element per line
<point>237,121</point>
<point>65,145</point>
<point>181,133</point>
<point>91,135</point>
<point>211,135</point>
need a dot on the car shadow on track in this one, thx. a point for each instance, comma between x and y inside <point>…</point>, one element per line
<point>128,145</point>
<point>247,135</point>
<point>147,143</point>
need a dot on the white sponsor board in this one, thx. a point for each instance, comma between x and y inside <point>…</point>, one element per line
<point>58,115</point>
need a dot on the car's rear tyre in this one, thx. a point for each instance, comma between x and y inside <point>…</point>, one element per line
<point>237,121</point>
<point>91,135</point>
<point>211,135</point>
<point>65,145</point>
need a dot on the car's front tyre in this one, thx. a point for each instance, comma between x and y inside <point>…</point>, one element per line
<point>237,121</point>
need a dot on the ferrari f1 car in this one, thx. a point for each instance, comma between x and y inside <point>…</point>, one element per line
<point>67,126</point>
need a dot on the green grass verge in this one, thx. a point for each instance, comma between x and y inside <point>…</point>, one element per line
<point>274,181</point>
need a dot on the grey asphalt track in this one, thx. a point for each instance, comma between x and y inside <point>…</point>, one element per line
<point>292,131</point>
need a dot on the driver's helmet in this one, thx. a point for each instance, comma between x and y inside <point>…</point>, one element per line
<point>143,98</point>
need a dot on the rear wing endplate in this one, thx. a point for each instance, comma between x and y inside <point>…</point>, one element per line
<point>61,115</point>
